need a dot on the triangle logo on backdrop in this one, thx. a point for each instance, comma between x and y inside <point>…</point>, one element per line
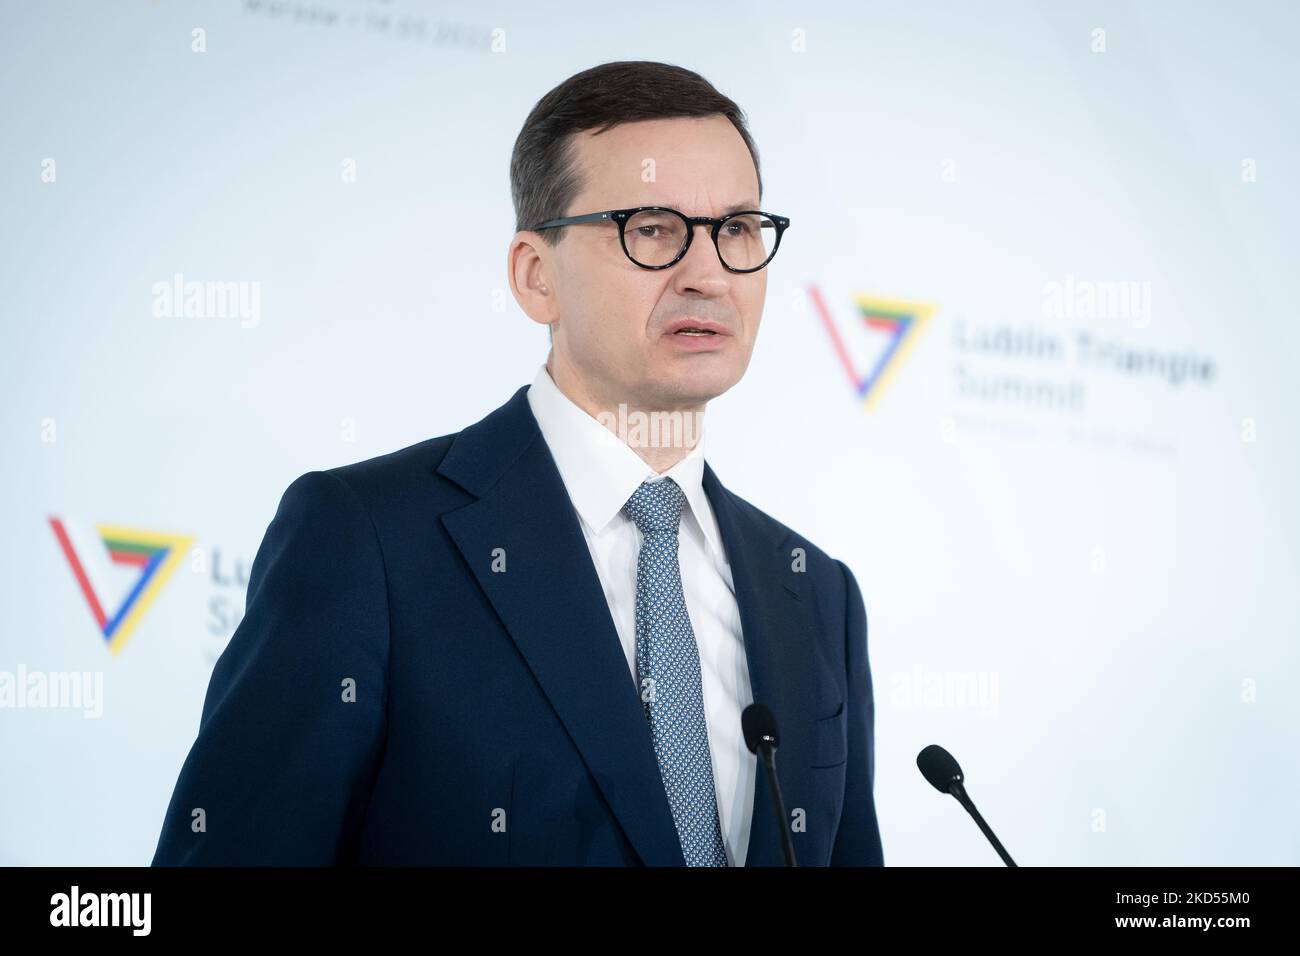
<point>872,338</point>
<point>129,565</point>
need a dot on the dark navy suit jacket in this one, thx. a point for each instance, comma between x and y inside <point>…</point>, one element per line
<point>391,698</point>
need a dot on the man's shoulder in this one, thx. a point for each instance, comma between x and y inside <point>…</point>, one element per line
<point>828,580</point>
<point>415,468</point>
<point>784,537</point>
<point>388,484</point>
<point>416,460</point>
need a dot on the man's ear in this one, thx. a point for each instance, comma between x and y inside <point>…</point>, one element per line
<point>526,267</point>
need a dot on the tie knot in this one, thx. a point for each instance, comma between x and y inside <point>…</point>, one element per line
<point>656,506</point>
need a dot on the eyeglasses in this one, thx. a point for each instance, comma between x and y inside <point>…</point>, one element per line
<point>656,237</point>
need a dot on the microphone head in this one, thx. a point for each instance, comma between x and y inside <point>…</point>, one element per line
<point>758,724</point>
<point>939,767</point>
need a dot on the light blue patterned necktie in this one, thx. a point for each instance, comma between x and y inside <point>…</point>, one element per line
<point>668,664</point>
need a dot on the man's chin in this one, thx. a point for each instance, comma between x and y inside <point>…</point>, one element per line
<point>693,386</point>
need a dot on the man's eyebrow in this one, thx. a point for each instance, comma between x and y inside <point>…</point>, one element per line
<point>734,207</point>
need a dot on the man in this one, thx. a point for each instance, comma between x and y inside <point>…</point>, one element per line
<point>531,642</point>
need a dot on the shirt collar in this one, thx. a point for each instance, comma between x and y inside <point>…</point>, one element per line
<point>600,471</point>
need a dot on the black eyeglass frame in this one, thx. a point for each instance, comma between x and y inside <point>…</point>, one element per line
<point>621,216</point>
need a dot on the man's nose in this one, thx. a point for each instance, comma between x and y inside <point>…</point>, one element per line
<point>701,271</point>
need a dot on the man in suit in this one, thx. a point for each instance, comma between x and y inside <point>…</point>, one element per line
<point>530,642</point>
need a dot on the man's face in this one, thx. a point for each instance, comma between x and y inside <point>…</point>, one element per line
<point>612,332</point>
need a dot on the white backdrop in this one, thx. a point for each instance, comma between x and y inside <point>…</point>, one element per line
<point>1070,499</point>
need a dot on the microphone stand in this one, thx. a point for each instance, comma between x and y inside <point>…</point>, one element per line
<point>783,821</point>
<point>959,791</point>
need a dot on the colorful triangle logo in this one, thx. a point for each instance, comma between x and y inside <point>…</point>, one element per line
<point>874,338</point>
<point>155,555</point>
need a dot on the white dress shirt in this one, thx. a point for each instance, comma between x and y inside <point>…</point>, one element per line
<point>600,474</point>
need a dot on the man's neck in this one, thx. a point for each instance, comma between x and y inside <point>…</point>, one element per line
<point>660,437</point>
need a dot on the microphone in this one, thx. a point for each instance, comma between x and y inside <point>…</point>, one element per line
<point>762,738</point>
<point>941,769</point>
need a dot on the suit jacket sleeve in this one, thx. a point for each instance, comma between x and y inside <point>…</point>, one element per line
<point>294,720</point>
<point>857,842</point>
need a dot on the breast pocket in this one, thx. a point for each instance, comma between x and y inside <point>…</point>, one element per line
<point>830,741</point>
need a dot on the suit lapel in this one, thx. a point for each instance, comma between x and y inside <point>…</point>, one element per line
<point>551,602</point>
<point>775,624</point>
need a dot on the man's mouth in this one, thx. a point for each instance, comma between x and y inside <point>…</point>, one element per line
<point>689,331</point>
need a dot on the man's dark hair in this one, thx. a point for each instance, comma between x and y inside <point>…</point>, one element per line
<point>543,177</point>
